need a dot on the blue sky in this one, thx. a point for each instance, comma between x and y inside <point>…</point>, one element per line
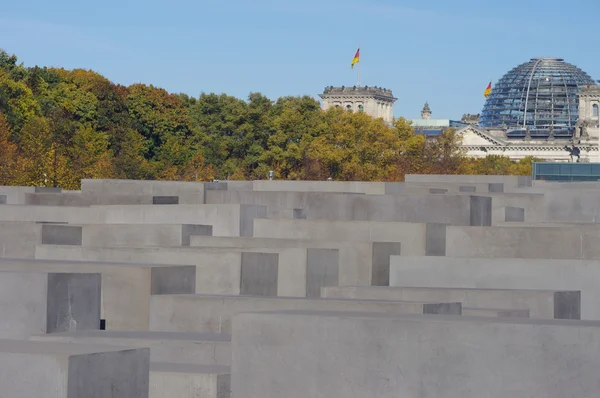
<point>440,51</point>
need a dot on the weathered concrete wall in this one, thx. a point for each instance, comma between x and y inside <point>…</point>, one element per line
<point>186,313</point>
<point>358,260</point>
<point>542,304</point>
<point>188,192</point>
<point>219,270</point>
<point>15,195</point>
<point>447,209</point>
<point>18,239</point>
<point>387,355</point>
<point>125,288</point>
<point>61,370</point>
<point>196,348</point>
<point>227,220</point>
<point>189,380</point>
<point>412,236</point>
<point>511,181</point>
<point>34,302</point>
<point>371,188</point>
<point>502,273</point>
<point>565,242</point>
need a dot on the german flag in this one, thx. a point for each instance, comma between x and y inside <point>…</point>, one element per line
<point>488,90</point>
<point>356,58</point>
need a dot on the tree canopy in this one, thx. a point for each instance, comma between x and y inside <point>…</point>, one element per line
<point>58,126</point>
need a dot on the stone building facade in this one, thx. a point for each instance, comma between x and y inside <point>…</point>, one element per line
<point>582,147</point>
<point>374,101</point>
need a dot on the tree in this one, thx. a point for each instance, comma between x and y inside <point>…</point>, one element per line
<point>16,102</point>
<point>8,154</point>
<point>88,157</point>
<point>157,115</point>
<point>40,162</point>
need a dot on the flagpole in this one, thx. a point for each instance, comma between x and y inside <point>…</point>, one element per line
<point>359,67</point>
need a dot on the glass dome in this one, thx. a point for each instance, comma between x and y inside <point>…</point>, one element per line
<point>538,94</point>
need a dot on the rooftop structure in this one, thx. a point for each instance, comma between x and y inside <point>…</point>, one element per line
<point>540,94</point>
<point>374,101</point>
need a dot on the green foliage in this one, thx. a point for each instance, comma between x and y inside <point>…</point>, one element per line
<point>58,126</point>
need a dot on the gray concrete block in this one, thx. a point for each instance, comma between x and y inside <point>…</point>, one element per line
<point>191,348</point>
<point>525,181</point>
<point>542,304</point>
<point>435,244</point>
<point>532,241</point>
<point>380,269</point>
<point>514,214</point>
<point>259,274</point>
<point>188,192</point>
<point>173,280</point>
<point>247,215</point>
<point>356,258</point>
<point>495,312</point>
<point>217,272</point>
<point>188,230</point>
<point>47,190</point>
<point>189,381</point>
<point>3,199</point>
<point>387,355</point>
<point>322,269</point>
<point>60,370</point>
<point>496,187</point>
<point>481,211</point>
<point>437,191</point>
<point>19,239</point>
<point>165,200</point>
<point>74,302</point>
<point>466,188</point>
<point>61,235</point>
<point>126,288</point>
<point>207,313</point>
<point>39,302</point>
<point>299,214</point>
<point>502,273</point>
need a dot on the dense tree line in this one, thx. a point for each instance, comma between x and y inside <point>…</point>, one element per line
<point>58,126</point>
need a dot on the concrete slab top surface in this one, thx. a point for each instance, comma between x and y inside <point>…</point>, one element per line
<point>424,317</point>
<point>468,289</point>
<point>281,298</point>
<point>142,335</point>
<point>41,262</point>
<point>56,348</point>
<point>169,367</point>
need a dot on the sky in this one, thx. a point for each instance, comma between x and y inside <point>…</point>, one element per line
<point>441,51</point>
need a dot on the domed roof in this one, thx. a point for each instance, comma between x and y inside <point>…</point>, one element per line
<point>537,94</point>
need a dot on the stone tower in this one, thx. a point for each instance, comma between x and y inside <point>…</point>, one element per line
<point>374,101</point>
<point>426,112</point>
<point>588,124</point>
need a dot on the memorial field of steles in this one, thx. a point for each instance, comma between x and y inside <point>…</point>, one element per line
<point>442,286</point>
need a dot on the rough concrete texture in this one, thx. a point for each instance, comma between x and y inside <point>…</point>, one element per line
<point>544,358</point>
<point>62,370</point>
<point>448,209</point>
<point>172,347</point>
<point>356,259</point>
<point>227,220</point>
<point>189,381</point>
<point>39,302</point>
<point>542,304</point>
<point>174,263</point>
<point>500,273</point>
<point>187,313</point>
<point>556,242</point>
<point>126,288</point>
<point>514,214</point>
<point>187,192</point>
